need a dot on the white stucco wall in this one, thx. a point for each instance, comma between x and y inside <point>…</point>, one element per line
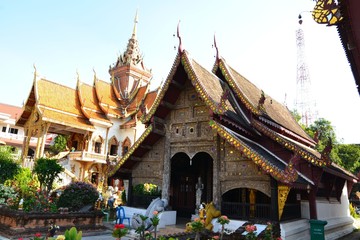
<point>328,209</point>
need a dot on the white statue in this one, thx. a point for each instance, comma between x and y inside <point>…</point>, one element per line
<point>199,187</point>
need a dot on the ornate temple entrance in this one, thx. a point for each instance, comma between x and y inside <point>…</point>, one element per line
<point>186,173</point>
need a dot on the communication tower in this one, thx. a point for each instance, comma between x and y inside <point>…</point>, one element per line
<point>304,103</point>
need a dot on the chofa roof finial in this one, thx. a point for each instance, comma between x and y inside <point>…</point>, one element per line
<point>180,48</point>
<point>216,48</point>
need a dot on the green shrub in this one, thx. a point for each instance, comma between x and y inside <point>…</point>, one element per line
<point>24,182</point>
<point>123,196</point>
<point>353,211</point>
<point>73,234</point>
<point>47,171</point>
<point>38,201</point>
<point>147,189</point>
<point>8,167</point>
<point>77,195</point>
<point>8,196</point>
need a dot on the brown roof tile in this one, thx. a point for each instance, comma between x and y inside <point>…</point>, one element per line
<point>58,97</point>
<point>274,110</point>
<point>107,98</point>
<point>65,119</point>
<point>90,103</point>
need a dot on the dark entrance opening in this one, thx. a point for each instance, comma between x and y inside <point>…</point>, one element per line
<point>246,203</point>
<point>185,173</point>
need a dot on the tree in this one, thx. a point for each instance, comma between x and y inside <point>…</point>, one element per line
<point>345,155</point>
<point>325,132</point>
<point>24,182</point>
<point>8,167</point>
<point>349,154</point>
<point>47,170</point>
<point>59,145</point>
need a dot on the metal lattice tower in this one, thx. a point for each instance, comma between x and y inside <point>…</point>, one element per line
<point>304,102</point>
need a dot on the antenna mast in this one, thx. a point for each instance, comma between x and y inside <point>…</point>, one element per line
<point>304,102</point>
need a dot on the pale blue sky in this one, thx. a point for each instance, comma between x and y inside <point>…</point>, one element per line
<point>256,37</point>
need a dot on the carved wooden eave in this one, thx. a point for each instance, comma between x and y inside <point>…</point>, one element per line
<point>285,131</point>
<point>309,157</point>
<point>161,93</point>
<point>288,175</point>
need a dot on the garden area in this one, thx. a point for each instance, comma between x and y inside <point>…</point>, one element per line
<point>31,203</point>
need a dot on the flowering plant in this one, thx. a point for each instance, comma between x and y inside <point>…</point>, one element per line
<point>155,221</point>
<point>197,226</point>
<point>37,236</point>
<point>119,231</point>
<point>223,220</point>
<point>251,232</point>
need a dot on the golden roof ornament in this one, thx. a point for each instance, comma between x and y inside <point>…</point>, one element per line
<point>132,54</point>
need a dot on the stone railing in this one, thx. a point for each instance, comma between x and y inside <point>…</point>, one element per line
<point>15,224</point>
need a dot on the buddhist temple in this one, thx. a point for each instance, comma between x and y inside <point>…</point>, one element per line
<point>252,158</point>
<point>209,129</point>
<point>101,120</point>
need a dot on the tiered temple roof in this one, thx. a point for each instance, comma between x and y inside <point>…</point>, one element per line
<point>90,105</point>
<point>243,116</point>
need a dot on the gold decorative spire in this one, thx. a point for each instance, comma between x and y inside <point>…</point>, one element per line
<point>136,20</point>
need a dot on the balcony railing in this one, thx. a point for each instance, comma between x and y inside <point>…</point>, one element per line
<point>87,156</point>
<point>12,136</point>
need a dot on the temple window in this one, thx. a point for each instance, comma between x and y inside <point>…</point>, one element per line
<point>126,146</point>
<point>98,144</point>
<point>191,130</point>
<point>113,146</point>
<point>74,145</point>
<point>113,150</point>
<point>97,147</point>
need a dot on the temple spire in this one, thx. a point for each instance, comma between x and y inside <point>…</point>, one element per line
<point>136,20</point>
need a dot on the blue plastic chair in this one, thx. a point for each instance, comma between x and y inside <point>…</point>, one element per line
<point>120,215</point>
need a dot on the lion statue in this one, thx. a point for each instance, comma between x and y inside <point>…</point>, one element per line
<point>211,213</point>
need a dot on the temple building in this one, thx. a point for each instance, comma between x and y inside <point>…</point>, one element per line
<point>253,160</point>
<point>101,120</point>
<point>207,129</point>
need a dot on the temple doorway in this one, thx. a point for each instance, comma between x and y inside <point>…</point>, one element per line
<point>187,175</point>
<point>245,204</point>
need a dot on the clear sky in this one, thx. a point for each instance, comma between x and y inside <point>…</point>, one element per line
<point>257,38</point>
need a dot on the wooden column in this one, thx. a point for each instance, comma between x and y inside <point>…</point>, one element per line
<point>166,178</point>
<point>216,172</point>
<point>274,200</point>
<point>312,203</point>
<point>26,143</point>
<point>38,147</point>
<point>44,129</point>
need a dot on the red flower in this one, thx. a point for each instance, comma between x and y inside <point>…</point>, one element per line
<point>119,226</point>
<point>250,228</point>
<point>38,234</point>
